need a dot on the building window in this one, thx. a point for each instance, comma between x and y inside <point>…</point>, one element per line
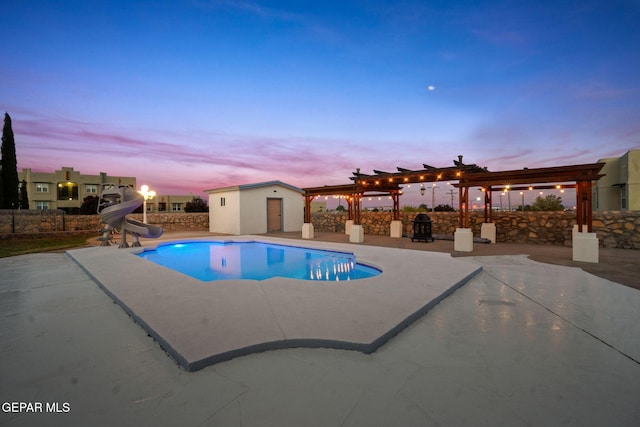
<point>42,205</point>
<point>42,187</point>
<point>176,207</point>
<point>91,189</point>
<point>223,201</point>
<point>67,191</point>
<point>162,207</point>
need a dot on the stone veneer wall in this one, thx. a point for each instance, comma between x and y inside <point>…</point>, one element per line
<point>19,223</point>
<point>614,229</point>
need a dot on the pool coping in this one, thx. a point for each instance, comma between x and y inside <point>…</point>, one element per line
<point>199,325</point>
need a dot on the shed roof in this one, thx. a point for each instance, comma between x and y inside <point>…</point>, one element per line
<point>244,187</point>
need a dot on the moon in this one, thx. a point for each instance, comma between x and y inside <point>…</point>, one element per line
<point>431,88</point>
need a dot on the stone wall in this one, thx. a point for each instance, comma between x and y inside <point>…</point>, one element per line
<point>196,221</point>
<point>32,222</point>
<point>617,229</point>
<point>614,229</point>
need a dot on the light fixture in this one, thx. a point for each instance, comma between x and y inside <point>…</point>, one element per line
<point>147,195</point>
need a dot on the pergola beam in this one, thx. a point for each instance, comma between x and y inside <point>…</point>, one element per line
<point>534,187</point>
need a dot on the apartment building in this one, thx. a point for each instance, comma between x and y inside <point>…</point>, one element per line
<point>168,203</point>
<point>619,189</point>
<point>67,188</point>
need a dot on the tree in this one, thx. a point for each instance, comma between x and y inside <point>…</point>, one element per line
<point>9,167</point>
<point>196,205</point>
<point>550,202</point>
<point>24,196</point>
<point>89,205</point>
<point>443,208</point>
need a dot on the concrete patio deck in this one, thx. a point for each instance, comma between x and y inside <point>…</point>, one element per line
<point>202,323</point>
<point>522,343</point>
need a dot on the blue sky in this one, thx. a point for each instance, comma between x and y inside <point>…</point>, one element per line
<point>192,95</point>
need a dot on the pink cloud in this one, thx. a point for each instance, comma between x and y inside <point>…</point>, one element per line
<point>208,161</point>
<point>181,162</point>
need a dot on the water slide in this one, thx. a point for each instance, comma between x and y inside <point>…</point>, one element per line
<point>116,202</point>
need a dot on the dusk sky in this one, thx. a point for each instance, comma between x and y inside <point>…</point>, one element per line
<point>198,94</point>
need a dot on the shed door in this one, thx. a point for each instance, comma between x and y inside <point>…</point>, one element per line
<point>274,215</point>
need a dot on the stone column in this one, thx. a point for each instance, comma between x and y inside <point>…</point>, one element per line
<point>396,228</point>
<point>585,247</point>
<point>357,234</point>
<point>463,240</point>
<point>307,230</point>
<point>488,231</point>
<point>347,226</point>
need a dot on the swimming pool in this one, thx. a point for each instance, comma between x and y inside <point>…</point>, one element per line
<point>208,261</point>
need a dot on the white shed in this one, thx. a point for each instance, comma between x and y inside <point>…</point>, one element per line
<point>256,208</point>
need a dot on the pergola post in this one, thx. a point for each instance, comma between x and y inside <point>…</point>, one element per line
<point>460,207</point>
<point>350,207</point>
<point>585,244</point>
<point>356,234</point>
<point>349,223</point>
<point>307,208</point>
<point>584,207</point>
<point>463,237</point>
<point>396,225</point>
<point>488,227</point>
<point>488,204</point>
<point>357,203</point>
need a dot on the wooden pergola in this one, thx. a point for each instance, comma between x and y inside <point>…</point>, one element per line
<point>352,193</point>
<point>382,183</point>
<point>580,177</point>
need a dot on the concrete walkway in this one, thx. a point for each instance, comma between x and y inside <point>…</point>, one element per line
<point>523,343</point>
<point>618,265</point>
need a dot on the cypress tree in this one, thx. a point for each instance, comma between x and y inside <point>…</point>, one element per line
<point>9,165</point>
<point>24,196</point>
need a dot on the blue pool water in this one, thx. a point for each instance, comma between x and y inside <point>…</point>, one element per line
<point>209,261</point>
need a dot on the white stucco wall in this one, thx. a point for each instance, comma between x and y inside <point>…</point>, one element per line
<point>293,212</point>
<point>622,179</point>
<point>633,180</point>
<point>607,195</point>
<point>224,219</point>
<point>253,209</point>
